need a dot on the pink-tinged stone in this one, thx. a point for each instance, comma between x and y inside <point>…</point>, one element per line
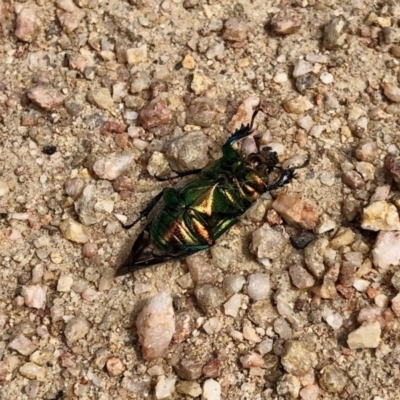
<point>114,165</point>
<point>70,21</point>
<point>396,305</point>
<point>46,96</point>
<point>381,193</point>
<point>22,345</point>
<point>309,392</point>
<point>296,211</point>
<point>27,25</point>
<point>156,325</point>
<point>252,360</point>
<point>386,251</point>
<point>35,296</point>
<point>156,113</point>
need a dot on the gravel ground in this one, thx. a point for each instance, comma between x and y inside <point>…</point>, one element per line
<point>299,300</point>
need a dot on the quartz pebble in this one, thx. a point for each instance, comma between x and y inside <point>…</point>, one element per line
<point>368,335</point>
<point>268,243</point>
<point>258,286</point>
<point>233,283</point>
<point>326,78</point>
<point>209,296</point>
<point>114,165</point>
<point>155,326</point>
<point>95,202</point>
<point>386,250</point>
<point>395,304</point>
<point>232,306</point>
<point>74,231</point>
<point>189,151</point>
<point>211,390</point>
<point>76,328</point>
<point>301,67</point>
<point>165,387</point>
<point>64,283</point>
<point>281,77</point>
<point>35,296</point>
<point>22,345</point>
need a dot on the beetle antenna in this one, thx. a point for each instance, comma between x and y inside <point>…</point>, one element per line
<point>253,117</point>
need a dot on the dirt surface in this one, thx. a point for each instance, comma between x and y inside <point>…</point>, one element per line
<point>67,326</point>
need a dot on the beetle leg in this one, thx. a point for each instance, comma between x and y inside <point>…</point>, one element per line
<point>244,130</point>
<point>146,211</point>
<point>178,174</point>
<point>286,176</point>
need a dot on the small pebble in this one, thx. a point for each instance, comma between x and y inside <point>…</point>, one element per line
<point>33,371</point>
<point>302,67</point>
<point>232,306</point>
<point>35,296</point>
<point>211,390</point>
<point>136,55</point>
<point>165,387</point>
<point>76,328</point>
<point>333,379</point>
<point>102,98</point>
<point>368,335</point>
<point>74,231</point>
<point>326,78</point>
<point>114,165</point>
<point>64,283</point>
<point>258,286</point>
<point>156,325</point>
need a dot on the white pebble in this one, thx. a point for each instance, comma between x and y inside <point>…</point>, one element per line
<point>381,300</point>
<point>211,390</point>
<point>326,78</point>
<point>361,285</point>
<point>64,283</point>
<point>280,77</point>
<point>258,288</point>
<point>231,307</point>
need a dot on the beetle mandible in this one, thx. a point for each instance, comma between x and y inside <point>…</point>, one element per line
<point>196,214</point>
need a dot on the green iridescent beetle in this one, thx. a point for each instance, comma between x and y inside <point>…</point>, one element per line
<point>193,216</point>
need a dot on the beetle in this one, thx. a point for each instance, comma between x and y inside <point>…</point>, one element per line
<point>192,217</point>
